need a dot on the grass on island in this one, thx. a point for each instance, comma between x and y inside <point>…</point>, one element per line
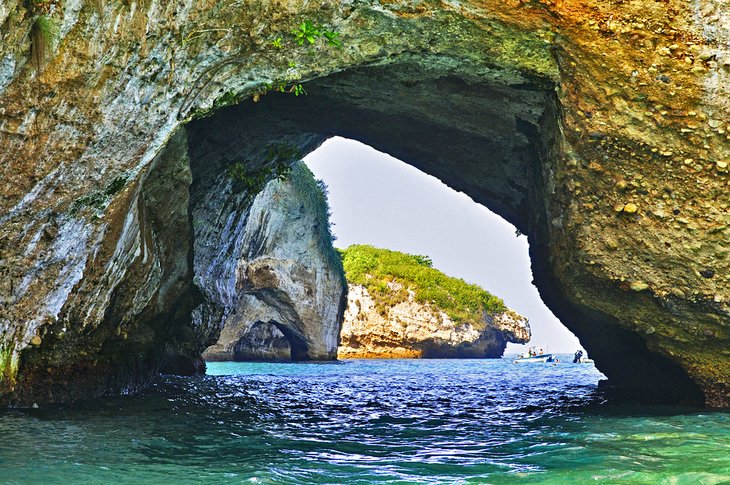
<point>375,268</point>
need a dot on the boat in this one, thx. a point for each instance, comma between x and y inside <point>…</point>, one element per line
<point>534,354</point>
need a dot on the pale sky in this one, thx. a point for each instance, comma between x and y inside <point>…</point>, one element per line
<point>377,199</point>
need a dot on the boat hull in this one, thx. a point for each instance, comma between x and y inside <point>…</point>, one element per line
<point>530,360</point>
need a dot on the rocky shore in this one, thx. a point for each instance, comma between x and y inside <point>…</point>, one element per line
<point>409,329</point>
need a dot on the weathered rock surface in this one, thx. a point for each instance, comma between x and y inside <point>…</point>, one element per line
<point>599,129</point>
<point>289,277</point>
<point>262,342</point>
<point>410,329</point>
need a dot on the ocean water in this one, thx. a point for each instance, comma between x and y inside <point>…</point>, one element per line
<point>362,422</point>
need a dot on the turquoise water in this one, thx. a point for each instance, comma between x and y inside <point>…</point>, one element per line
<point>362,422</point>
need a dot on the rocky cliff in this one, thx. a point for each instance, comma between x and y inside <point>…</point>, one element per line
<point>409,329</point>
<point>290,280</point>
<point>598,128</point>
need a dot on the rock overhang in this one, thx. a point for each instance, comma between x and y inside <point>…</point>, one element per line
<point>602,124</point>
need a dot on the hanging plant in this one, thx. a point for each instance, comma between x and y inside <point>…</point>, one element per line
<point>44,32</point>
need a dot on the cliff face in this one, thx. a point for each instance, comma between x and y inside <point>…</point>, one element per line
<point>289,278</point>
<point>599,129</point>
<point>409,329</point>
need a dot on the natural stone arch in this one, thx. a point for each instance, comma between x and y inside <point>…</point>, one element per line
<point>262,342</point>
<point>499,150</point>
<point>298,346</point>
<point>85,291</point>
<point>266,256</point>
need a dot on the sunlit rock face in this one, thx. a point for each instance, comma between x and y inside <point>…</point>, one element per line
<point>287,276</point>
<point>598,129</point>
<point>409,329</point>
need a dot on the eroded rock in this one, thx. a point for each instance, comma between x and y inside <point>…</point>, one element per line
<point>509,102</point>
<point>410,329</point>
<point>289,278</point>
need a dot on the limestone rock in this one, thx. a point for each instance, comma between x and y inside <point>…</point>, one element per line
<point>638,286</point>
<point>289,278</point>
<point>410,329</point>
<point>249,337</point>
<point>118,223</point>
<point>630,208</point>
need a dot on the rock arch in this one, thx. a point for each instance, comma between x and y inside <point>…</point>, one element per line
<point>499,151</point>
<point>263,341</point>
<point>525,107</point>
<point>276,264</point>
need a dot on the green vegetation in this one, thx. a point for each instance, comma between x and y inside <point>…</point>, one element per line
<point>44,35</point>
<point>254,181</point>
<point>332,38</point>
<point>99,200</point>
<point>8,364</point>
<point>307,34</point>
<point>45,31</point>
<point>313,193</point>
<point>228,98</point>
<point>277,163</point>
<point>388,275</point>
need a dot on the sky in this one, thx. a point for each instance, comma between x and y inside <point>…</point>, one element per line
<point>377,199</point>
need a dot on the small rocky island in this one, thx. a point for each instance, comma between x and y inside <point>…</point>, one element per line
<point>292,296</point>
<point>399,306</point>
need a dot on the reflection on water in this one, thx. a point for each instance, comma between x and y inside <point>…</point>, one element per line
<point>427,421</point>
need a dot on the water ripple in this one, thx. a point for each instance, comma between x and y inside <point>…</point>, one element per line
<point>362,422</point>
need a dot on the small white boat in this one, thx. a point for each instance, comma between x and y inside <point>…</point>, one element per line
<point>535,358</point>
<point>534,354</point>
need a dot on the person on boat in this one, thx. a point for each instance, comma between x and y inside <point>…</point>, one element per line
<point>578,357</point>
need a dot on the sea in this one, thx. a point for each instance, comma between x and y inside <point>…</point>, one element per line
<point>368,422</point>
